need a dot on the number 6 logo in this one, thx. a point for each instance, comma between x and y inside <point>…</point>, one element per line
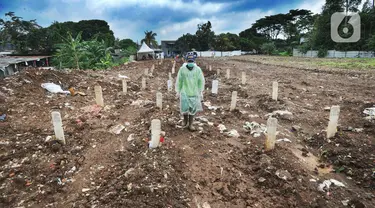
<point>355,21</point>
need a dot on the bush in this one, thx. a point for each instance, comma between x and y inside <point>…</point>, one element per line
<point>268,48</point>
<point>322,53</point>
<point>285,53</point>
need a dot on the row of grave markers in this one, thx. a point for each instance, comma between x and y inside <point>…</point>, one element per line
<point>156,123</point>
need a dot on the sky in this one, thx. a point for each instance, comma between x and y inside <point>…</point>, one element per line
<point>170,19</point>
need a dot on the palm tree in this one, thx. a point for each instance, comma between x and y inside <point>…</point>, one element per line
<point>150,39</point>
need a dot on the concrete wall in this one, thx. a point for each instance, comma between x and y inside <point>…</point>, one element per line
<point>336,54</point>
<point>218,53</point>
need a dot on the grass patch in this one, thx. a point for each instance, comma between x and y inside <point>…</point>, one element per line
<point>350,63</point>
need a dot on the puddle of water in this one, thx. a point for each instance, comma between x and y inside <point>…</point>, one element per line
<point>310,162</point>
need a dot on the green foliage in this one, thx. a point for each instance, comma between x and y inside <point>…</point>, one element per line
<point>322,52</point>
<point>285,53</point>
<point>268,48</point>
<point>186,43</point>
<point>227,42</point>
<point>124,44</point>
<point>371,43</point>
<point>205,36</point>
<point>79,54</point>
<point>29,37</point>
<point>150,39</point>
<point>14,30</point>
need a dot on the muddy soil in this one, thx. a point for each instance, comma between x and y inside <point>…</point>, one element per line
<point>210,167</point>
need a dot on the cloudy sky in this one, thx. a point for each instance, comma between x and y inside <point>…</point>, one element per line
<point>168,18</point>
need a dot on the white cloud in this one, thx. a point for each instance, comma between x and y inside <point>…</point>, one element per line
<point>231,22</point>
<point>314,6</point>
<point>194,6</point>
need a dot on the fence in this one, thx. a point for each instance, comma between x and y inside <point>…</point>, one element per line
<point>336,54</point>
<point>218,53</point>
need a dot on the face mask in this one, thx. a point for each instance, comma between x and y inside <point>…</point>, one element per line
<point>190,65</point>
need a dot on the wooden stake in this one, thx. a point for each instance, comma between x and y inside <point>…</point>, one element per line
<point>215,86</point>
<point>57,126</point>
<point>143,83</point>
<point>275,89</point>
<point>243,78</point>
<point>228,73</point>
<point>124,86</point>
<point>99,95</point>
<point>234,101</point>
<point>155,133</point>
<point>271,133</point>
<point>333,121</point>
<point>159,100</point>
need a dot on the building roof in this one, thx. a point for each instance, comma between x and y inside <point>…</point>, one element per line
<point>7,60</point>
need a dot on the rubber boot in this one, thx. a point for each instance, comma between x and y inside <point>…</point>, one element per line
<point>186,121</point>
<point>191,120</point>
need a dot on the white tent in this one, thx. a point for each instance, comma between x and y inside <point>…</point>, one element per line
<point>144,51</point>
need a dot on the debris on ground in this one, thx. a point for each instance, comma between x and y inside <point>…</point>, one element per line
<point>222,128</point>
<point>117,129</point>
<point>233,133</point>
<point>283,140</point>
<point>255,129</point>
<point>370,112</point>
<point>54,88</point>
<point>3,117</point>
<point>283,174</point>
<point>323,187</point>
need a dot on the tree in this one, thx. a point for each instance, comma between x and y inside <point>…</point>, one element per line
<point>227,42</point>
<point>186,43</point>
<point>205,36</point>
<point>371,43</point>
<point>14,30</point>
<point>268,48</point>
<point>150,39</point>
<point>71,52</point>
<point>273,25</point>
<point>222,43</point>
<point>126,43</point>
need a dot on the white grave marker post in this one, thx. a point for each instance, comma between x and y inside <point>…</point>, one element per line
<point>99,95</point>
<point>333,121</point>
<point>143,83</point>
<point>210,68</point>
<point>170,75</point>
<point>170,85</point>
<point>124,86</point>
<point>228,73</point>
<point>146,71</point>
<point>173,70</point>
<point>275,90</point>
<point>159,100</point>
<point>243,78</point>
<point>271,133</point>
<point>152,68</point>
<point>234,101</point>
<point>155,133</point>
<point>57,126</point>
<point>215,86</point>
<point>218,72</point>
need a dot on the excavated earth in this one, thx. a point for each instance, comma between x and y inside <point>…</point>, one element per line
<point>211,167</point>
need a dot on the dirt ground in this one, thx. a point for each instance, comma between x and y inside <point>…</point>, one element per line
<point>211,167</point>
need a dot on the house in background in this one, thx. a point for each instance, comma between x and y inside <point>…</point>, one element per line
<point>9,65</point>
<point>167,46</point>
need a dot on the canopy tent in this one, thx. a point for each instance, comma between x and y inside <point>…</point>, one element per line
<point>145,51</point>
